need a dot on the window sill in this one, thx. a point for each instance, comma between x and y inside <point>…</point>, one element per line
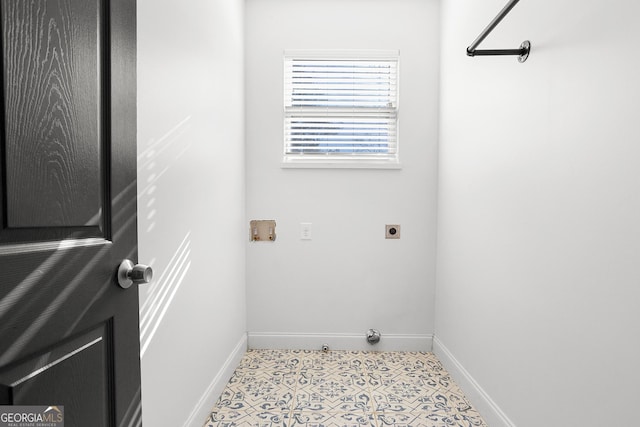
<point>340,164</point>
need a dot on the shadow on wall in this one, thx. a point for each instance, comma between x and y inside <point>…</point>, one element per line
<point>159,294</point>
<point>162,293</point>
<point>147,163</point>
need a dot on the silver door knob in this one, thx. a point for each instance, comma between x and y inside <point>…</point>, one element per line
<point>129,274</point>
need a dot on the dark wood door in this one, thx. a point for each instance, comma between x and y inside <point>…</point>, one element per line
<point>69,334</point>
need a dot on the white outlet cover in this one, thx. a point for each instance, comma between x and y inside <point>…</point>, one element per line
<point>305,231</point>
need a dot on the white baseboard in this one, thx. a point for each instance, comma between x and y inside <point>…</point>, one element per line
<point>217,385</point>
<point>353,342</point>
<point>489,410</point>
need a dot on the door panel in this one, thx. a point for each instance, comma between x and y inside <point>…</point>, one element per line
<point>52,102</point>
<point>56,119</point>
<point>56,288</point>
<point>69,335</point>
<point>80,367</point>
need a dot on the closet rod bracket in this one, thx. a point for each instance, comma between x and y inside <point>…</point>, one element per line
<point>522,52</point>
<point>525,47</point>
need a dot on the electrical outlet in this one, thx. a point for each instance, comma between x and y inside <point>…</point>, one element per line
<point>392,231</point>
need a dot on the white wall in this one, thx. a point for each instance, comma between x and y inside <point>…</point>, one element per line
<point>539,211</point>
<point>348,278</point>
<point>191,204</point>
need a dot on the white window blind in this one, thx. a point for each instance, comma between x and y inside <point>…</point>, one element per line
<point>341,107</point>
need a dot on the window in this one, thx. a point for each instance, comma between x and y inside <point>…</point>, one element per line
<point>341,109</point>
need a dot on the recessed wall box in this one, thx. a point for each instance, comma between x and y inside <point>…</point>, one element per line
<point>262,230</point>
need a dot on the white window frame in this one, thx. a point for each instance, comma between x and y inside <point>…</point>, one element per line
<point>302,115</point>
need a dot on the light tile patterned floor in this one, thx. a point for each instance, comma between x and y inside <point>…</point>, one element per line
<point>296,388</point>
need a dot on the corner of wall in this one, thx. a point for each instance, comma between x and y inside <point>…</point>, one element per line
<point>202,409</point>
<point>490,411</point>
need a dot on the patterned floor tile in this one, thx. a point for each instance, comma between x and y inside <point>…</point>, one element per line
<point>333,361</point>
<point>256,396</point>
<point>316,402</point>
<point>430,419</point>
<point>317,378</point>
<point>283,360</point>
<point>315,419</point>
<point>287,388</point>
<point>409,398</point>
<point>238,418</point>
<point>343,391</point>
<point>408,362</point>
<point>274,376</point>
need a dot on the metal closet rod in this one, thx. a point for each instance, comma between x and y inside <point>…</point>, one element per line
<point>522,52</point>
